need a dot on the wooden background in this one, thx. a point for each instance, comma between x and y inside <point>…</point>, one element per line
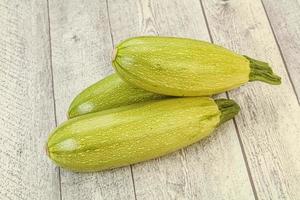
<point>51,50</point>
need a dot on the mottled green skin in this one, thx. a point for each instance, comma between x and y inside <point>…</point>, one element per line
<point>131,134</point>
<point>179,67</point>
<point>108,93</point>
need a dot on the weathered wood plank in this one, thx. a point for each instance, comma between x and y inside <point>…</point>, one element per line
<point>81,47</point>
<point>212,169</point>
<point>26,102</point>
<point>284,17</point>
<point>269,121</point>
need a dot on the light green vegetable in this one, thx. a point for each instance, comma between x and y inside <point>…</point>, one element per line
<point>186,67</point>
<point>135,133</point>
<point>111,92</point>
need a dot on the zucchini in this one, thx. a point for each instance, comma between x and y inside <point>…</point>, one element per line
<point>186,67</point>
<point>111,92</point>
<point>135,133</point>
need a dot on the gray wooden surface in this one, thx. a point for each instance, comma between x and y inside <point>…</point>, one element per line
<point>51,50</point>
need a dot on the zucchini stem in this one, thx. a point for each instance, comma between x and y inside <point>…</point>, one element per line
<point>228,109</point>
<point>261,71</point>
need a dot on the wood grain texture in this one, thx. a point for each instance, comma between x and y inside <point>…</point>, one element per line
<point>81,48</point>
<point>269,121</point>
<point>284,17</point>
<point>26,102</point>
<point>211,169</point>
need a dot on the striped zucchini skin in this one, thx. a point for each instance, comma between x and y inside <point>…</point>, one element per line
<point>134,133</point>
<point>110,92</point>
<point>184,67</point>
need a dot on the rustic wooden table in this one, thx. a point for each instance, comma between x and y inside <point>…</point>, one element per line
<point>51,50</point>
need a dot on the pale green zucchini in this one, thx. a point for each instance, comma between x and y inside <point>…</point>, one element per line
<point>135,133</point>
<point>186,67</point>
<point>110,92</point>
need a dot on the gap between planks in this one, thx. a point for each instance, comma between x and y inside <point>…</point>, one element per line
<point>112,43</point>
<point>280,52</point>
<point>53,92</point>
